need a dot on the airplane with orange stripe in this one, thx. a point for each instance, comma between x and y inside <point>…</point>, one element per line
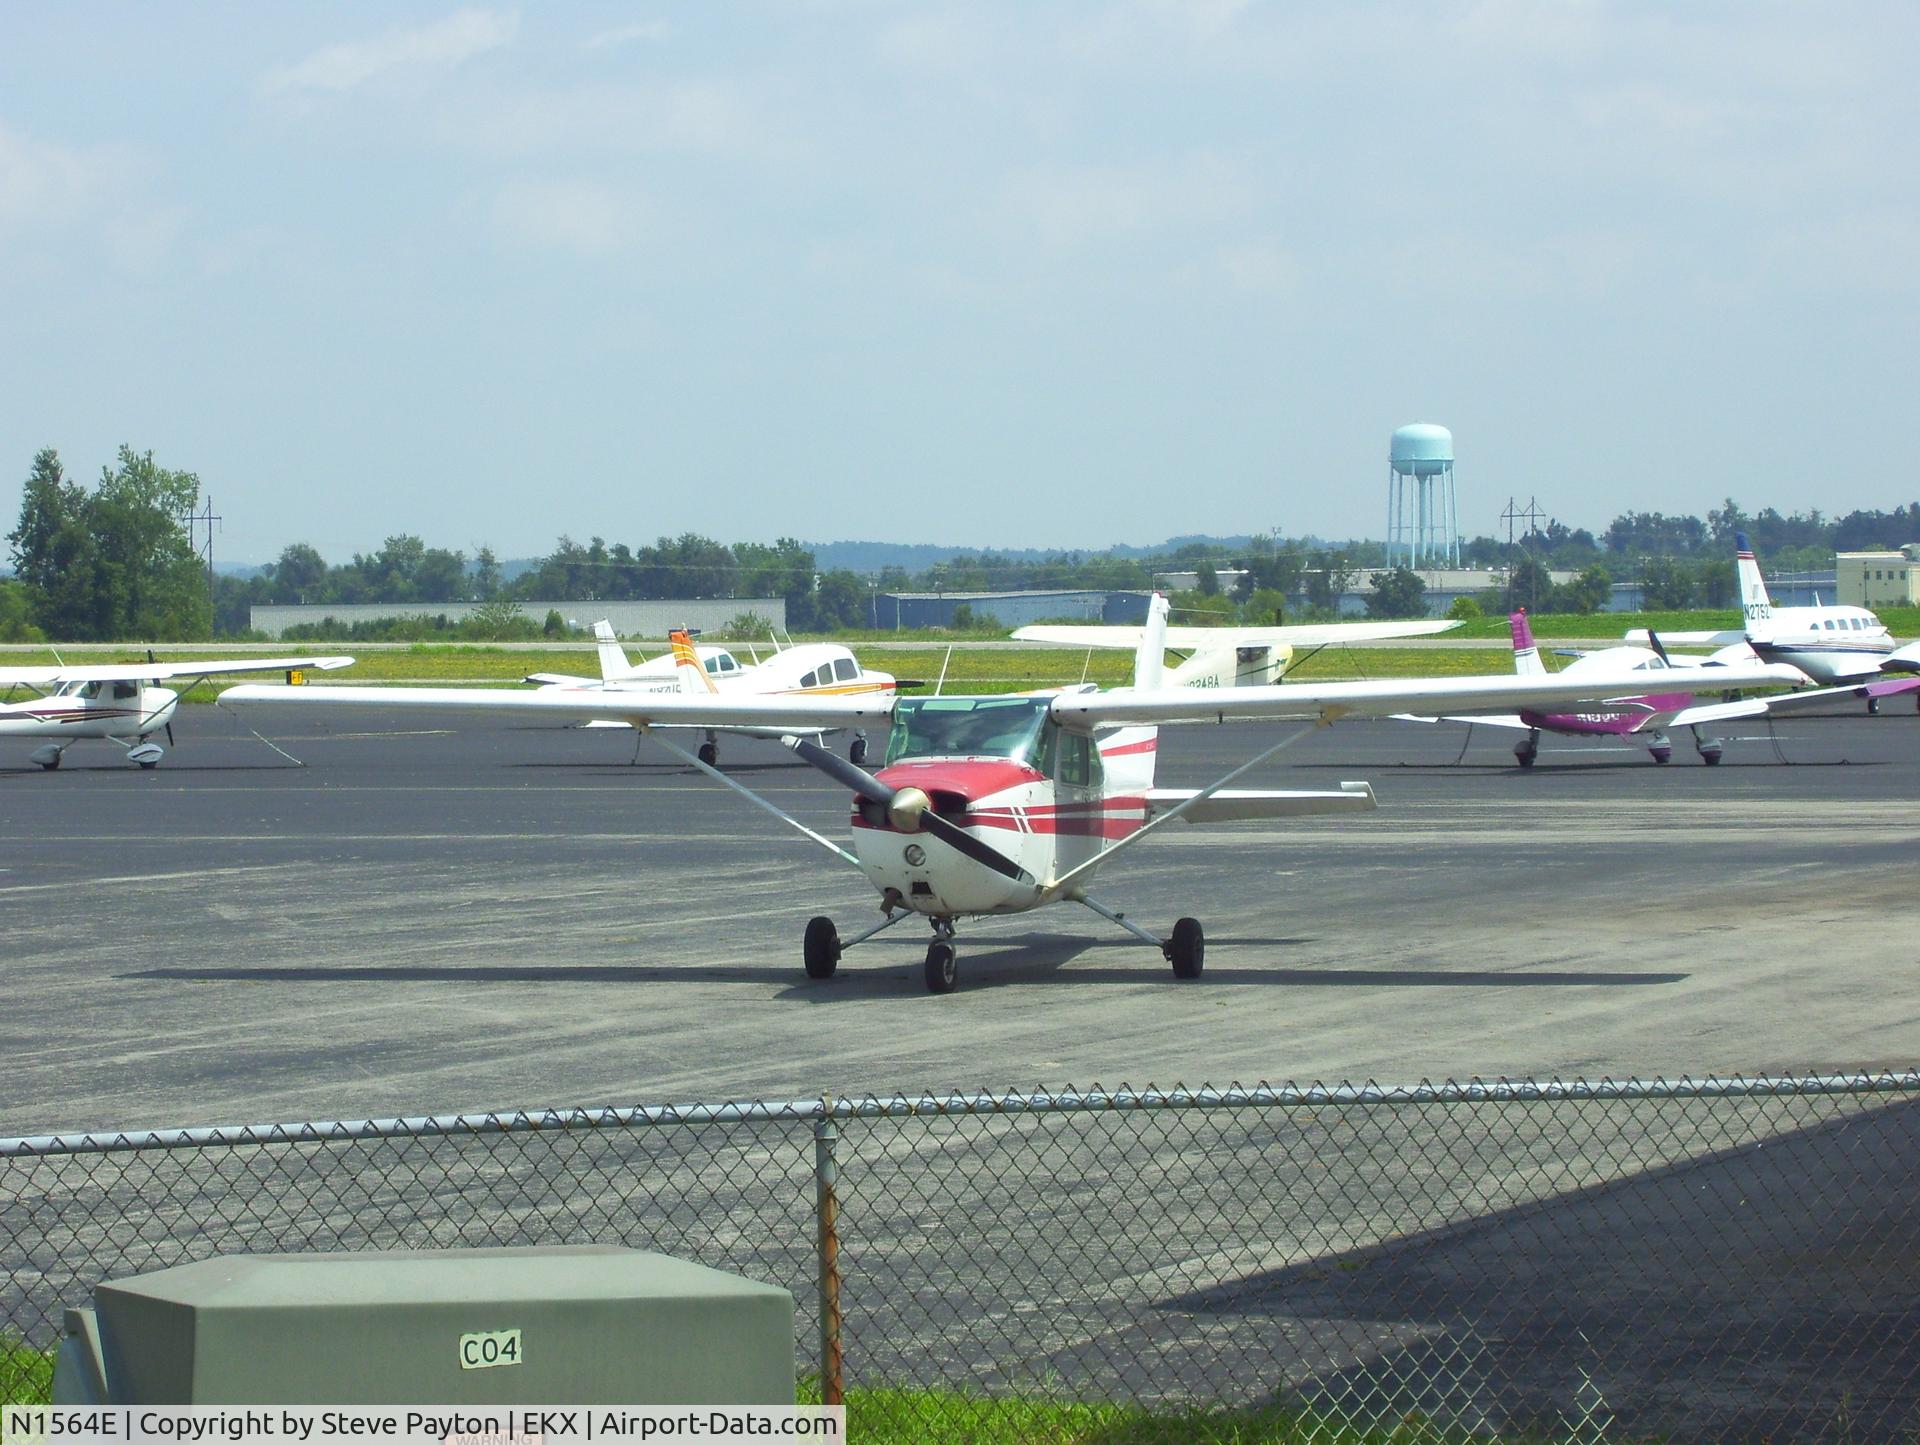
<point>807,670</point>
<point>993,805</point>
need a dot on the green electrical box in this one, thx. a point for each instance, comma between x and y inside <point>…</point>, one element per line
<point>586,1325</point>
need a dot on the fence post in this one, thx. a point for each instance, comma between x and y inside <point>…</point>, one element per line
<point>826,1182</point>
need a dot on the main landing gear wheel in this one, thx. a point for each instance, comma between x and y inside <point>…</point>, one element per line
<point>709,754</point>
<point>1710,756</point>
<point>941,970</point>
<point>1186,950</point>
<point>857,752</point>
<point>51,763</point>
<point>1526,753</point>
<point>1662,755</point>
<point>822,947</point>
<point>1873,707</point>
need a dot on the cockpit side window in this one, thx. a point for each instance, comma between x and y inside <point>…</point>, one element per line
<point>845,669</point>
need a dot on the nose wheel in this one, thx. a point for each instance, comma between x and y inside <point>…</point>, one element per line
<point>941,969</point>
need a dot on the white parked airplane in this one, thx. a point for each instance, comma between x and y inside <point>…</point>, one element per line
<point>108,701</point>
<point>998,805</point>
<point>822,669</point>
<point>1831,644</point>
<point>1231,656</point>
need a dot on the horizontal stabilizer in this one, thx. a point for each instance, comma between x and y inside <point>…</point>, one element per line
<point>561,679</point>
<point>1238,804</point>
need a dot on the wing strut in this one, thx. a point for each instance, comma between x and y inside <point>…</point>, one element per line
<point>752,797</point>
<point>1326,719</point>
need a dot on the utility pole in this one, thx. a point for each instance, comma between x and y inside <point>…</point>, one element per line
<point>1531,515</point>
<point>196,520</point>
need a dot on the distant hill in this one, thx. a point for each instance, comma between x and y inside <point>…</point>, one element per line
<point>867,557</point>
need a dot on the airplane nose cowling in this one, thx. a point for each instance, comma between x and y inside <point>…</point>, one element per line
<point>901,855</point>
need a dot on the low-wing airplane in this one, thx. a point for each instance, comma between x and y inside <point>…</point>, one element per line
<point>109,701</point>
<point>816,669</point>
<point>1231,656</point>
<point>1831,644</point>
<point>1667,701</point>
<point>1001,804</point>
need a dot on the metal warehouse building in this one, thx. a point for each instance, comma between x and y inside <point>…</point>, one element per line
<point>1007,609</point>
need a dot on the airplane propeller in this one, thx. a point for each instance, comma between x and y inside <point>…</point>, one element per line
<point>908,809</point>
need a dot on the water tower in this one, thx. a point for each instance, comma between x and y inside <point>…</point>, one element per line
<point>1423,516</point>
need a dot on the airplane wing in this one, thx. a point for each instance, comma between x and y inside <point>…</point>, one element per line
<point>1484,720</point>
<point>161,671</point>
<point>1327,701</point>
<point>561,679</point>
<point>1791,702</point>
<point>1238,804</point>
<point>1687,639</point>
<point>638,709</point>
<point>1200,639</point>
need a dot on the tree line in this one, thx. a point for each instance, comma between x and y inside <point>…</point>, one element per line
<point>116,560</point>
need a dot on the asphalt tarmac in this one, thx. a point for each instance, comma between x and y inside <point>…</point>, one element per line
<point>419,920</point>
<point>422,920</point>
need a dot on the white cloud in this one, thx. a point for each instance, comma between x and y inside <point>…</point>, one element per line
<point>583,217</point>
<point>1069,207</point>
<point>696,116</point>
<point>649,31</point>
<point>45,184</point>
<point>440,46</point>
<point>1261,267</point>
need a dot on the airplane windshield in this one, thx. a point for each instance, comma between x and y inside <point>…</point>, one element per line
<point>956,727</point>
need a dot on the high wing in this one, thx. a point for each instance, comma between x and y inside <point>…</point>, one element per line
<point>1327,701</point>
<point>160,671</point>
<point>1200,639</point>
<point>1791,702</point>
<point>639,709</point>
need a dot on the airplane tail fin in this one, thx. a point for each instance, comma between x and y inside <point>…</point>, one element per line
<point>613,657</point>
<point>1526,655</point>
<point>1150,659</point>
<point>1754,601</point>
<point>686,662</point>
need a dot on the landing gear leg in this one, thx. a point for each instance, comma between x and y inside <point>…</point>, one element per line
<point>1185,948</point>
<point>1527,749</point>
<point>1708,748</point>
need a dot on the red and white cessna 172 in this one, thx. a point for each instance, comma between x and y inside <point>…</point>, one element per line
<point>997,805</point>
<point>109,701</point>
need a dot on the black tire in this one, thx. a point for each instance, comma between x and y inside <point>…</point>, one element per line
<point>710,755</point>
<point>1187,949</point>
<point>857,752</point>
<point>941,969</point>
<point>150,766</point>
<point>52,765</point>
<point>1662,756</point>
<point>1873,707</point>
<point>1525,757</point>
<point>1711,759</point>
<point>821,950</point>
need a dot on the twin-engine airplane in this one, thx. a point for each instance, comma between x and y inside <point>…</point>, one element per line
<point>1667,700</point>
<point>1831,644</point>
<point>817,669</point>
<point>110,702</point>
<point>998,805</point>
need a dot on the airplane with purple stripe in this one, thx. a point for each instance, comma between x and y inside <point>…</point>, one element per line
<point>1670,701</point>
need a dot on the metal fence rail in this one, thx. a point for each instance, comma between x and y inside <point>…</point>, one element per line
<point>1702,1259</point>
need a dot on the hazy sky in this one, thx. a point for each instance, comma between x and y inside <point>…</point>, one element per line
<point>988,274</point>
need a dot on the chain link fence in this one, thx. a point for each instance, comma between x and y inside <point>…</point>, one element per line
<point>1717,1260</point>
